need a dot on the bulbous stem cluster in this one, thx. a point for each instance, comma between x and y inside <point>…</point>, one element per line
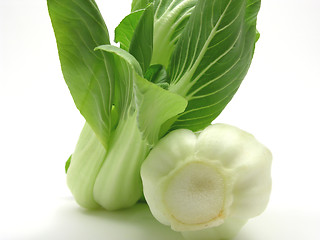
<point>210,182</point>
<point>108,178</point>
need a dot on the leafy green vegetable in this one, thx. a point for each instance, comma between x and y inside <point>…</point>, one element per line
<point>117,170</point>
<point>107,79</point>
<point>179,64</point>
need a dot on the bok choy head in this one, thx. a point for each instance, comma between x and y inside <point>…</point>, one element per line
<point>179,64</point>
<point>216,179</point>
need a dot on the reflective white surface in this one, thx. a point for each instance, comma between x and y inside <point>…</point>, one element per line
<point>278,102</point>
<point>65,220</point>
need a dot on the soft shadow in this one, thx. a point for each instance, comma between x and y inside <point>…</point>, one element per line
<point>244,235</point>
<point>136,223</point>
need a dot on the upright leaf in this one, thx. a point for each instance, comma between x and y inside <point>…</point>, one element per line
<point>139,4</point>
<point>79,28</point>
<point>153,104</point>
<point>97,177</point>
<point>170,18</point>
<point>143,107</point>
<point>124,31</point>
<point>142,40</point>
<point>124,66</point>
<point>212,57</point>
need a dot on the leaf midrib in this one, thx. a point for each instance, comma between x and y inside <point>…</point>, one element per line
<point>183,82</point>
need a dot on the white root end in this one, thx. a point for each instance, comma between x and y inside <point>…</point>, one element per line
<point>195,196</point>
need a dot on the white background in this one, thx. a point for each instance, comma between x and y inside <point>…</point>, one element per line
<point>278,102</point>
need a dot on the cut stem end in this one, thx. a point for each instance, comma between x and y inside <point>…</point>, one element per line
<point>195,197</point>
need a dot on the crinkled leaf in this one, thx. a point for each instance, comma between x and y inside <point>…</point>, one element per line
<point>212,57</point>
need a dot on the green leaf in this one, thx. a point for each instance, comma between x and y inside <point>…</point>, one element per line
<point>252,9</point>
<point>118,182</point>
<point>124,31</point>
<point>170,18</point>
<point>79,28</point>
<point>139,4</point>
<point>120,54</point>
<point>142,40</point>
<point>124,67</point>
<point>156,106</point>
<point>156,74</point>
<point>67,165</point>
<point>110,177</point>
<point>257,36</point>
<point>212,57</point>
